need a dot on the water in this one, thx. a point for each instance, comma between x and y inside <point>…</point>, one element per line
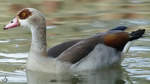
<point>73,19</point>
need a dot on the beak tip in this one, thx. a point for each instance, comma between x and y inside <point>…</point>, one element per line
<point>4,28</point>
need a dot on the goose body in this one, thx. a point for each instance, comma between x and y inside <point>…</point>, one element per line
<point>102,50</point>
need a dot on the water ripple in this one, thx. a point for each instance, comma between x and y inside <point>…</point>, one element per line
<point>14,55</point>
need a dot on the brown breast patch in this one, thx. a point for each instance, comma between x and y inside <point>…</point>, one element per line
<point>25,13</point>
<point>116,40</point>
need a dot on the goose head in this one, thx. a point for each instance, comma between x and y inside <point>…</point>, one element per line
<point>28,18</point>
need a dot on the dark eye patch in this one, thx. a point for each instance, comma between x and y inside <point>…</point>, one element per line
<point>25,13</point>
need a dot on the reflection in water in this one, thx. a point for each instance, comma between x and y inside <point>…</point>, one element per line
<point>105,76</point>
<point>63,11</point>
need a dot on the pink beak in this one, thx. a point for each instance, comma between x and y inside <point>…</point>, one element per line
<point>12,24</point>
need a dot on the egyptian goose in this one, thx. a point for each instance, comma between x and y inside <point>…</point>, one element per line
<point>102,50</point>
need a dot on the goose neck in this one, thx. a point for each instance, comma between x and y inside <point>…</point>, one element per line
<point>38,44</point>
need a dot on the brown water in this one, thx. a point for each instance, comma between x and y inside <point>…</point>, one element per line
<point>72,19</point>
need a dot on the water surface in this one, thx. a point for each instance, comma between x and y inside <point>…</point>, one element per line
<point>73,19</point>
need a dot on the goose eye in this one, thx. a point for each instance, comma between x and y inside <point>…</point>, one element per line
<point>25,13</point>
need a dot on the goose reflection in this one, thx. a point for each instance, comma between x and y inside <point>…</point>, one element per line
<point>111,75</point>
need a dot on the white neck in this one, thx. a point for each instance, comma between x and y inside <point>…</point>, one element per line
<point>38,45</point>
